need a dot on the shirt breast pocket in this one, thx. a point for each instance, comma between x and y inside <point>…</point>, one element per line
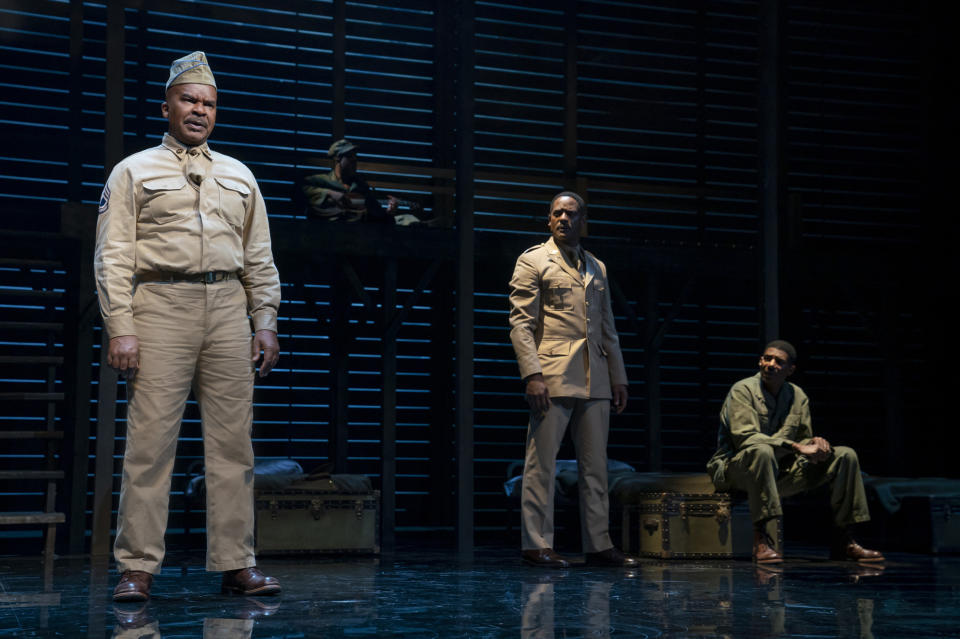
<point>558,295</point>
<point>234,196</point>
<point>160,203</point>
<point>791,424</point>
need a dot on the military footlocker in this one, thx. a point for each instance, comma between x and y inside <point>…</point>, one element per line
<point>691,526</point>
<point>929,524</point>
<point>315,516</point>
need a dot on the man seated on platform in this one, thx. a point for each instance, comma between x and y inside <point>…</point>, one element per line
<point>766,448</point>
<point>342,195</point>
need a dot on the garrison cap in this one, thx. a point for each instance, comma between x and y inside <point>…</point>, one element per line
<point>191,69</point>
<point>341,148</point>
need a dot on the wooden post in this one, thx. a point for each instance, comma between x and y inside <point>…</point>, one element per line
<point>465,273</point>
<point>570,97</point>
<point>771,166</point>
<point>78,222</point>
<point>339,80</point>
<point>339,377</point>
<point>107,395</point>
<point>654,441</point>
<point>388,455</point>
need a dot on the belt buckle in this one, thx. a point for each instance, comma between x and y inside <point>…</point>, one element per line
<point>209,277</point>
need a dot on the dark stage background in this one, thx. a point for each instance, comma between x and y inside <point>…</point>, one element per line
<point>752,168</point>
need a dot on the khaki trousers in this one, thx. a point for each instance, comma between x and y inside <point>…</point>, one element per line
<point>756,471</point>
<point>589,422</point>
<point>190,334</point>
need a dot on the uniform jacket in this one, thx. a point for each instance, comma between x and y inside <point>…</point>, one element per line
<point>154,218</point>
<point>562,324</point>
<point>746,420</point>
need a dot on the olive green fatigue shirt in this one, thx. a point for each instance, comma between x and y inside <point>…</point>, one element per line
<point>751,415</point>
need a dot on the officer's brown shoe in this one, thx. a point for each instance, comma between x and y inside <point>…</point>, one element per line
<point>134,586</point>
<point>611,557</point>
<point>852,551</point>
<point>250,582</point>
<point>545,558</point>
<point>763,551</point>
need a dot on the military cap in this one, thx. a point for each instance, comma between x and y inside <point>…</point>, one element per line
<point>341,148</point>
<point>191,69</point>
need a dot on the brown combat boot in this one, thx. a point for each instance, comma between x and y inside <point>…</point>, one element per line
<point>763,550</point>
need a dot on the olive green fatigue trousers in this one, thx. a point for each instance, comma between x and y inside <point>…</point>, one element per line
<point>195,335</point>
<point>756,471</point>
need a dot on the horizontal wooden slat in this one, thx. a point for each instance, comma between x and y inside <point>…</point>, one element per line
<point>32,397</point>
<point>31,474</point>
<point>10,519</point>
<point>31,434</point>
<point>31,359</point>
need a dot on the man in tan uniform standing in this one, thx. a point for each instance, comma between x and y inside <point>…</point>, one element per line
<point>184,266</point>
<point>569,355</point>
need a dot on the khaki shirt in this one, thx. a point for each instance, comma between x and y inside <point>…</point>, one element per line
<point>562,324</point>
<point>154,218</point>
<point>750,416</point>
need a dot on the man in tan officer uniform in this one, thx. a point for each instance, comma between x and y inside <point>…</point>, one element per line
<point>569,355</point>
<point>766,448</point>
<point>183,266</point>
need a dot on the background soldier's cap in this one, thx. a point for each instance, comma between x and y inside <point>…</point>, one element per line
<point>191,69</point>
<point>340,148</point>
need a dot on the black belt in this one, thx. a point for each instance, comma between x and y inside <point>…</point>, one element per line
<point>172,276</point>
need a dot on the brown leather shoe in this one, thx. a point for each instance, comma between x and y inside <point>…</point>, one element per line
<point>249,581</point>
<point>545,558</point>
<point>611,557</point>
<point>134,586</point>
<point>852,551</point>
<point>763,551</point>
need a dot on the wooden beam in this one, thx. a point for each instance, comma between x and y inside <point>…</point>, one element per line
<point>339,79</point>
<point>388,437</point>
<point>570,96</point>
<point>465,275</point>
<point>654,439</point>
<point>78,221</point>
<point>339,378</point>
<point>771,165</point>
<point>75,167</point>
<point>103,472</point>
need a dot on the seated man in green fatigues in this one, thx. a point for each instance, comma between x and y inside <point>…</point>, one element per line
<point>342,195</point>
<point>766,448</point>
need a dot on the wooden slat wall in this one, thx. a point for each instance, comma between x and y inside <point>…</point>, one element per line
<point>857,176</point>
<point>664,146</point>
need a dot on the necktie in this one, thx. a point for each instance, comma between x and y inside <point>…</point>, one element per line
<point>196,168</point>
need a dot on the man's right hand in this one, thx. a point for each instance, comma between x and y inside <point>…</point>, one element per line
<point>123,355</point>
<point>538,397</point>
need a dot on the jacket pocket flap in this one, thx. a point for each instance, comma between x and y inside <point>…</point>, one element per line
<point>173,183</point>
<point>561,347</point>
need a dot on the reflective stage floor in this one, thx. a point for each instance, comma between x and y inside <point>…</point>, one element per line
<point>413,593</point>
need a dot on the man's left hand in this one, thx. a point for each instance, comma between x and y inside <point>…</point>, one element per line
<point>392,205</point>
<point>824,450</point>
<point>265,341</point>
<point>619,398</point>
